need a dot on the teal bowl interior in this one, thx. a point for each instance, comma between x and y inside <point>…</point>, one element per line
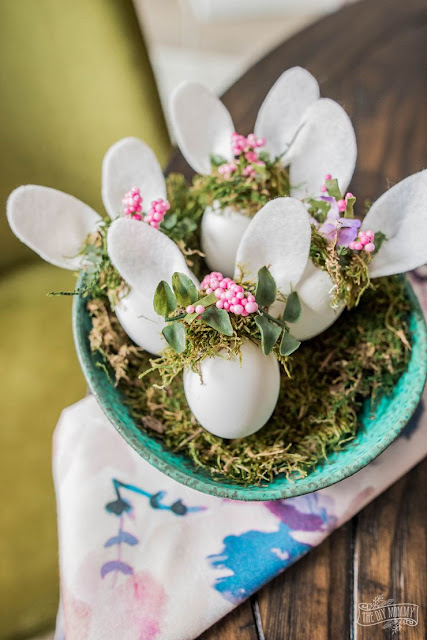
<point>376,433</point>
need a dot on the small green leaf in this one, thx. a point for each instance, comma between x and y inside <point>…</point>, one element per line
<point>270,333</point>
<point>217,160</point>
<point>288,344</point>
<point>349,211</point>
<point>266,289</point>
<point>170,221</point>
<point>293,308</point>
<point>218,319</point>
<point>174,334</point>
<point>333,189</point>
<point>164,299</point>
<point>184,289</point>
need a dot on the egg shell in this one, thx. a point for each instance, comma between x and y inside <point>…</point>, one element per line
<point>315,290</point>
<point>145,331</point>
<point>220,234</point>
<point>234,399</point>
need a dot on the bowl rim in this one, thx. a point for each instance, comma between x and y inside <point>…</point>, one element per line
<point>251,492</point>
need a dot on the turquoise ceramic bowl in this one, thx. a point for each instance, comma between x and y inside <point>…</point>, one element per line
<point>376,433</point>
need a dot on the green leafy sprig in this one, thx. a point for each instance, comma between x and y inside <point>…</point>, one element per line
<point>184,293</point>
<point>172,302</point>
<point>270,328</point>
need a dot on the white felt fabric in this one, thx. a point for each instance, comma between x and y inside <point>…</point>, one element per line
<point>220,234</point>
<point>315,290</point>
<point>283,108</point>
<point>278,237</point>
<point>325,143</point>
<point>143,256</point>
<point>130,163</point>
<point>52,223</point>
<point>202,125</point>
<point>401,214</point>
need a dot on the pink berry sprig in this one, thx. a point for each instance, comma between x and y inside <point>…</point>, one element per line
<point>227,169</point>
<point>156,214</point>
<point>364,242</point>
<point>132,202</point>
<point>231,296</point>
<point>240,144</point>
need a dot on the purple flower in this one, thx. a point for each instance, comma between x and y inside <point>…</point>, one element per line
<point>345,230</point>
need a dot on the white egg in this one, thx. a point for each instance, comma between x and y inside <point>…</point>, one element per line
<point>220,234</point>
<point>315,290</point>
<point>144,330</point>
<point>234,399</point>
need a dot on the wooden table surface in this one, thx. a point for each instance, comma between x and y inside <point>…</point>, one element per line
<point>369,57</point>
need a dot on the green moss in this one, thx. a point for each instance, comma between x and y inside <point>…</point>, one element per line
<point>361,356</point>
<point>244,194</point>
<point>349,270</point>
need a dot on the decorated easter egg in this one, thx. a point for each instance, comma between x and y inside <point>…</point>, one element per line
<point>145,330</point>
<point>234,397</point>
<point>315,291</point>
<point>221,232</point>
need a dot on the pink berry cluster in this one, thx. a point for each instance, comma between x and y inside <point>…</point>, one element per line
<point>231,296</point>
<point>133,203</point>
<point>247,146</point>
<point>155,215</point>
<point>365,241</point>
<point>240,145</point>
<point>133,207</point>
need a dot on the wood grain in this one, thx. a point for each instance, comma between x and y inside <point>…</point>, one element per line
<point>370,57</point>
<point>240,624</point>
<point>390,553</point>
<point>311,599</point>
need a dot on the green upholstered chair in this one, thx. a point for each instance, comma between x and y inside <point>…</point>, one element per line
<point>74,78</point>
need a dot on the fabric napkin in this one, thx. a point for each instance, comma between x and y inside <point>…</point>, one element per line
<point>145,558</point>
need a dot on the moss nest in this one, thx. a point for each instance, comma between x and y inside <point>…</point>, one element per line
<point>361,356</point>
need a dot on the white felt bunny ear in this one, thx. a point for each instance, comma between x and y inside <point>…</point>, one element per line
<point>315,291</point>
<point>143,256</point>
<point>202,125</point>
<point>325,143</point>
<point>401,214</point>
<point>278,237</point>
<point>52,223</point>
<point>130,163</point>
<point>281,112</point>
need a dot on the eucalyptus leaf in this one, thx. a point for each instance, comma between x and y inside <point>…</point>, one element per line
<point>184,289</point>
<point>293,308</point>
<point>174,334</point>
<point>218,319</point>
<point>333,188</point>
<point>164,299</point>
<point>288,344</point>
<point>270,333</point>
<point>266,289</point>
